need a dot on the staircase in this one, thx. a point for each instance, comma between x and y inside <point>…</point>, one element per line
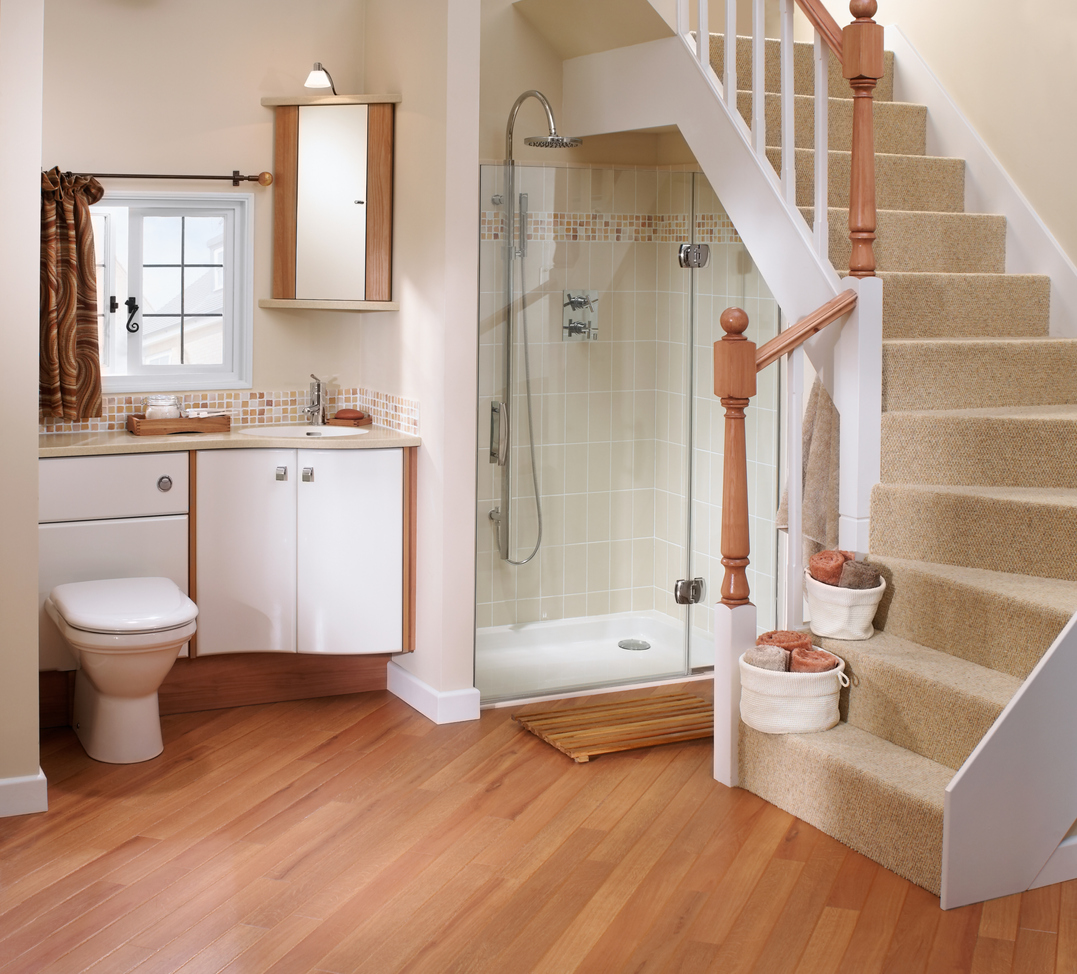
<point>975,519</point>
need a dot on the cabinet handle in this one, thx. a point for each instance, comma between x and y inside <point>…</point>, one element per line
<point>308,475</point>
<point>164,483</point>
<point>282,473</point>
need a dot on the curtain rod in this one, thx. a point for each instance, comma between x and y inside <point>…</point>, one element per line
<point>263,178</point>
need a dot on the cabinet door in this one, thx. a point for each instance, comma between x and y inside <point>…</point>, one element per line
<point>351,561</point>
<point>245,551</point>
<point>331,204</point>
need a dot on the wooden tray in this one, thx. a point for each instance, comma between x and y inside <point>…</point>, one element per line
<point>583,732</point>
<point>352,422</point>
<point>140,426</point>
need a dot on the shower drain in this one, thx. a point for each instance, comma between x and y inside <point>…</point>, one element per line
<point>634,644</point>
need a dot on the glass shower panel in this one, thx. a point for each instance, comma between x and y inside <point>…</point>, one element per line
<point>730,279</point>
<point>609,419</point>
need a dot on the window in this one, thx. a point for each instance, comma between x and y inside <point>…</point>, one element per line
<point>174,291</point>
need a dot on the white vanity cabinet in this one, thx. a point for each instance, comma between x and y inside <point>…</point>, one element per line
<point>300,551</point>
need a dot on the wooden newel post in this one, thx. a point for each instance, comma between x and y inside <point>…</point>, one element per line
<point>862,53</point>
<point>734,384</point>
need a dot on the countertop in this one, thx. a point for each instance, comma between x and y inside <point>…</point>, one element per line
<point>120,441</point>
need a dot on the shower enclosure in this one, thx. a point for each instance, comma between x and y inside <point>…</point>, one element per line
<point>614,338</point>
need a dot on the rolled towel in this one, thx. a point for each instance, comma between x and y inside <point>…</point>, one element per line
<point>826,566</point>
<point>858,574</point>
<point>768,658</point>
<point>785,638</point>
<point>811,661</point>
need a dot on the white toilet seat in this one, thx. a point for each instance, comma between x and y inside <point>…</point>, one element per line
<point>123,605</point>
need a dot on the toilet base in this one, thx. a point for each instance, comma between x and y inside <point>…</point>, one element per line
<point>116,730</point>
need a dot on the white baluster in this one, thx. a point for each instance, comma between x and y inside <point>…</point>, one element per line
<point>822,105</point>
<point>703,48</point>
<point>759,95</point>
<point>788,103</point>
<point>683,24</point>
<point>794,582</point>
<point>731,56</point>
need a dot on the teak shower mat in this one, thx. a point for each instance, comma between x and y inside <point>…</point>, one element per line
<point>583,732</point>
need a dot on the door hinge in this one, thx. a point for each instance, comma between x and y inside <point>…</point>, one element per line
<point>689,591</point>
<point>694,255</point>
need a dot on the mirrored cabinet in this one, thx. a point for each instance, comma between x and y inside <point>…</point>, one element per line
<point>333,202</point>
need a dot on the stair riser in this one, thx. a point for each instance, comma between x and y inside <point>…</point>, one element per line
<point>803,69</point>
<point>903,835</point>
<point>958,529</point>
<point>901,182</point>
<point>984,627</point>
<point>941,243</point>
<point>960,375</point>
<point>960,306</point>
<point>908,709</point>
<point>899,127</point>
<point>989,452</point>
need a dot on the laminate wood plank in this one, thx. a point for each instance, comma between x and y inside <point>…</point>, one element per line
<point>285,196</point>
<point>1067,927</point>
<point>1040,909</point>
<point>853,883</point>
<point>226,948</point>
<point>874,930</point>
<point>379,196</point>
<point>914,934</point>
<point>801,914</point>
<point>992,956</point>
<point>798,842</point>
<point>829,941</point>
<point>729,838</point>
<point>955,940</point>
<point>120,961</point>
<point>278,941</point>
<point>1034,952</point>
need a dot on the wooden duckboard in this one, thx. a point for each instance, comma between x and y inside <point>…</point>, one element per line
<point>583,732</point>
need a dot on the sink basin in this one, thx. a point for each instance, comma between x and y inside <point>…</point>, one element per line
<point>301,432</point>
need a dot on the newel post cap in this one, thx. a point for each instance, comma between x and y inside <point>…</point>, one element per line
<point>734,358</point>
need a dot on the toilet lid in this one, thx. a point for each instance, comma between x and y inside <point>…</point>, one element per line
<point>123,605</point>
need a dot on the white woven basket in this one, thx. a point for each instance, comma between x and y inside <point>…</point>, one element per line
<point>790,703</point>
<point>842,613</point>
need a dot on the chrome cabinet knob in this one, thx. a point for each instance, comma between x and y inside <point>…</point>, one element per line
<point>164,483</point>
<point>282,473</point>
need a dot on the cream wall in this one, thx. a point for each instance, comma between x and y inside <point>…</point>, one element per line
<point>20,203</point>
<point>176,87</point>
<point>428,51</point>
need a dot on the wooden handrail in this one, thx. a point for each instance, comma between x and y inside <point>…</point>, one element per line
<point>823,22</point>
<point>784,342</point>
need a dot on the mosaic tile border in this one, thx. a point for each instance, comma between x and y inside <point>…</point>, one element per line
<point>614,227</point>
<point>250,408</point>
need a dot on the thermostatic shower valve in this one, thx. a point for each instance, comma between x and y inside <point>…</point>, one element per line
<point>579,321</point>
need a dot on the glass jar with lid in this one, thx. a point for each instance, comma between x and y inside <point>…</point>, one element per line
<point>162,407</point>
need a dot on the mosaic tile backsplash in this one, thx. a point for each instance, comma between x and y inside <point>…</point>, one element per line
<point>250,408</point>
<point>714,228</point>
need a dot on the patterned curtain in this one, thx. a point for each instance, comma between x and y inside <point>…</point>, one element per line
<point>70,385</point>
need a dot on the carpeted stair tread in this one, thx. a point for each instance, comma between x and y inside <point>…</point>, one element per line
<point>906,182</point>
<point>1008,446</point>
<point>880,799</point>
<point>1024,530</point>
<point>936,305</point>
<point>911,240</point>
<point>899,127</point>
<point>908,694</point>
<point>966,373</point>
<point>1000,620</point>
<point>803,68</point>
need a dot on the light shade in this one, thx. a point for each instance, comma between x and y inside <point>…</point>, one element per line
<point>319,78</point>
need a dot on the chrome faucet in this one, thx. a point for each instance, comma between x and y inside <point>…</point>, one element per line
<point>318,410</point>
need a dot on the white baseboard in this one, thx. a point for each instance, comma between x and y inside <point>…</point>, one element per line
<point>1030,247</point>
<point>440,706</point>
<point>24,796</point>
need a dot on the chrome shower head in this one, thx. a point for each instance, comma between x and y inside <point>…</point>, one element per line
<point>553,141</point>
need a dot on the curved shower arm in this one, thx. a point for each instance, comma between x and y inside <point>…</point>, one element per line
<point>512,118</point>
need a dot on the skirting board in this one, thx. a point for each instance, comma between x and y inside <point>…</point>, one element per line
<point>440,706</point>
<point>24,796</point>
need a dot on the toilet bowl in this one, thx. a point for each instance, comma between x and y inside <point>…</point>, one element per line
<point>125,633</point>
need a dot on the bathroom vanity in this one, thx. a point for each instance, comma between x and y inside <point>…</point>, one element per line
<point>301,561</point>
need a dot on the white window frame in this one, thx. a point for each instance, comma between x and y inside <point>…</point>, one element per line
<point>237,370</point>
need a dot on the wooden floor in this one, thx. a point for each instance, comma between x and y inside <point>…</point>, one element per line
<point>349,834</point>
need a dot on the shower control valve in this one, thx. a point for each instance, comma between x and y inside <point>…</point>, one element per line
<point>579,322</point>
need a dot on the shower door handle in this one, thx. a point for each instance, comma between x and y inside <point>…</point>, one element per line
<point>499,433</point>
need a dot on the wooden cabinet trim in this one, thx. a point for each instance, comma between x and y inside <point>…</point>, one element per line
<point>285,198</point>
<point>411,469</point>
<point>379,200</point>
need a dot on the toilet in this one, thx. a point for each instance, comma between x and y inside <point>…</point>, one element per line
<point>125,633</point>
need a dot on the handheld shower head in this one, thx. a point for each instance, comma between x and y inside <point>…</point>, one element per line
<point>551,141</point>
